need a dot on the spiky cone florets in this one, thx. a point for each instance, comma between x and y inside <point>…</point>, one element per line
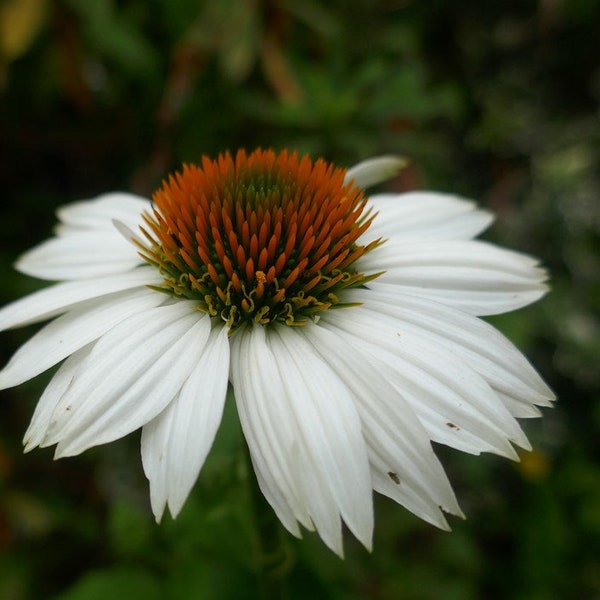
<point>260,238</point>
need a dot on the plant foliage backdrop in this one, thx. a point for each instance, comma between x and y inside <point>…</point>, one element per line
<point>494,101</point>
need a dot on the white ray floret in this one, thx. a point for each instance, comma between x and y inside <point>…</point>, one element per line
<point>373,171</point>
<point>61,297</point>
<point>323,439</point>
<point>396,441</point>
<point>427,216</point>
<point>75,329</point>
<point>474,277</point>
<point>176,442</point>
<point>133,373</point>
<point>97,214</point>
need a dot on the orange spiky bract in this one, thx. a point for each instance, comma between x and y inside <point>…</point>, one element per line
<point>262,237</point>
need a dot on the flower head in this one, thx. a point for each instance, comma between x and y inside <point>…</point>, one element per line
<point>347,325</point>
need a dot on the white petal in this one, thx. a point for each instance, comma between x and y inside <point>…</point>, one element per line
<point>375,170</point>
<point>98,213</point>
<point>134,371</point>
<point>128,234</point>
<point>54,391</point>
<point>389,483</point>
<point>59,298</point>
<point>176,442</point>
<point>472,340</point>
<point>264,417</point>
<point>520,407</point>
<point>80,255</point>
<point>309,454</point>
<point>399,447</point>
<point>473,276</point>
<point>328,427</point>
<point>426,216</point>
<point>72,331</point>
<point>455,405</point>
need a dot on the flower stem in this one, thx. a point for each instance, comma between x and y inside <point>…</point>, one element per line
<point>274,560</point>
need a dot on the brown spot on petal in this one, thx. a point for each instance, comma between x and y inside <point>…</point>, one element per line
<point>394,477</point>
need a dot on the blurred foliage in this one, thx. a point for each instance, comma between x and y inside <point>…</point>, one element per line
<point>497,101</point>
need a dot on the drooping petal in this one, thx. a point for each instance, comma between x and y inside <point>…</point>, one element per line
<point>455,405</point>
<point>87,244</point>
<point>57,299</point>
<point>303,433</point>
<point>375,170</point>
<point>264,417</point>
<point>59,384</point>
<point>472,340</point>
<point>99,213</point>
<point>399,450</point>
<point>133,372</point>
<point>472,276</point>
<point>329,428</point>
<point>80,255</point>
<point>176,442</point>
<point>426,216</point>
<point>72,331</point>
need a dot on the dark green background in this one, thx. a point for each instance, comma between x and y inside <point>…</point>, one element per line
<point>498,101</point>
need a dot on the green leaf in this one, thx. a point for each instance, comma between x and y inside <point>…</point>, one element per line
<point>130,530</point>
<point>115,583</point>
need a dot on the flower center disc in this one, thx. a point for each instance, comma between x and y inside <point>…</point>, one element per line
<point>262,237</point>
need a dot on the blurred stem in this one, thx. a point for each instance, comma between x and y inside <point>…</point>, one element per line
<point>274,561</point>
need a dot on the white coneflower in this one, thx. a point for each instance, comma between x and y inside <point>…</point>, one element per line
<point>347,325</point>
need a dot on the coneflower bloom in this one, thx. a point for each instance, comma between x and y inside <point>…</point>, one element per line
<point>346,324</point>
